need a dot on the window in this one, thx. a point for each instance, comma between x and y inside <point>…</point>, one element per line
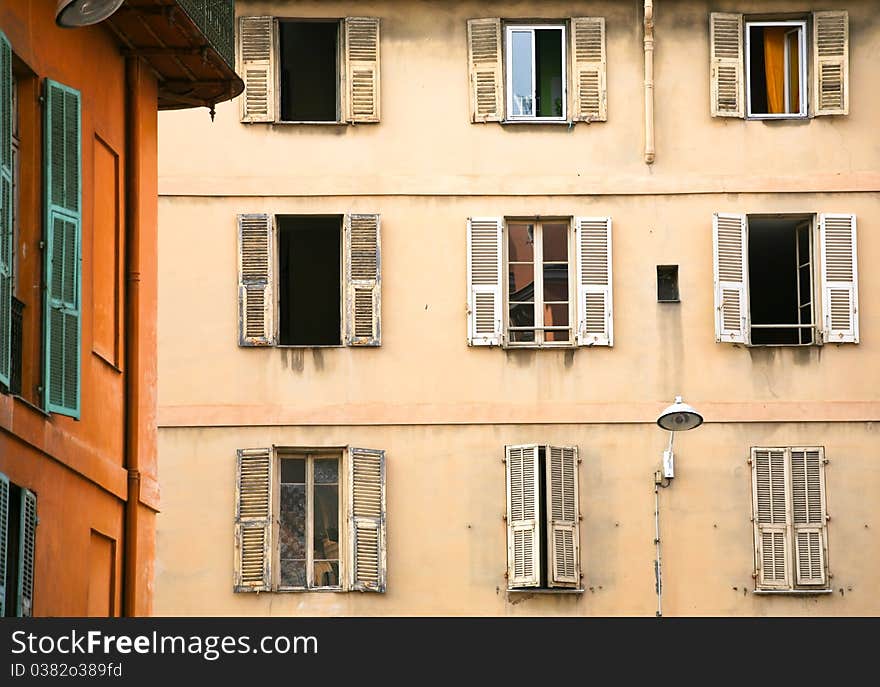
<point>789,514</point>
<point>310,518</point>
<point>539,282</point>
<point>785,279</point>
<point>543,514</point>
<point>667,284</point>
<point>18,527</point>
<point>328,288</point>
<point>760,68</point>
<point>520,72</point>
<point>309,71</point>
<point>536,72</point>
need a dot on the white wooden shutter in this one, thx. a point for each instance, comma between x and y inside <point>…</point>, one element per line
<point>594,307</point>
<point>27,553</point>
<point>4,538</point>
<point>256,300</point>
<point>731,266</point>
<point>830,63</point>
<point>563,517</point>
<point>589,69</point>
<point>726,68</point>
<point>362,69</point>
<point>808,514</point>
<point>485,70</point>
<point>367,519</point>
<point>256,64</point>
<point>363,280</point>
<point>840,292</point>
<point>523,516</point>
<point>484,275</point>
<point>253,520</point>
<point>770,499</point>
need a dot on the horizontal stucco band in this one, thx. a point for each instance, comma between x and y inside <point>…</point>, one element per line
<point>483,414</point>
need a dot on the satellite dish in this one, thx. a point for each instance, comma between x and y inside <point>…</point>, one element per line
<point>73,13</point>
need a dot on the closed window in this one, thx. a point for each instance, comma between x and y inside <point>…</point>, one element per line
<point>539,282</point>
<point>18,527</point>
<point>308,71</point>
<point>310,518</point>
<point>789,515</point>
<point>550,71</point>
<point>788,280</point>
<point>543,515</point>
<point>761,68</point>
<point>309,280</point>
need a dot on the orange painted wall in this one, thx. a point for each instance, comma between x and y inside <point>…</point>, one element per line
<point>78,467</point>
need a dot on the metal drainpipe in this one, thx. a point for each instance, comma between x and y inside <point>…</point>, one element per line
<point>658,569</point>
<point>649,82</point>
<point>132,332</point>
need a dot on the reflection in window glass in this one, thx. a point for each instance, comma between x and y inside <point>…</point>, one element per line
<point>522,73</point>
<point>292,525</point>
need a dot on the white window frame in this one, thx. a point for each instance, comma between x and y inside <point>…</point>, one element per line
<point>803,112</point>
<point>538,251</point>
<point>815,281</point>
<point>310,454</point>
<point>340,64</point>
<point>508,63</point>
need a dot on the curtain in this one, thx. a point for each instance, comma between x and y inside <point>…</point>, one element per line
<point>774,68</point>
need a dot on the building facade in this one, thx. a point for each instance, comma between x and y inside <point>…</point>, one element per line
<point>78,485</point>
<point>445,263</point>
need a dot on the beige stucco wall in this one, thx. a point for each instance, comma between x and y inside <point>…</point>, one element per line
<point>444,411</point>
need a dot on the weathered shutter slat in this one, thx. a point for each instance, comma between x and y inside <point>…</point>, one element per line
<point>6,171</point>
<point>253,520</point>
<point>63,268</point>
<point>256,64</point>
<point>563,513</point>
<point>4,538</point>
<point>523,516</point>
<point>256,299</point>
<point>730,261</point>
<point>808,514</point>
<point>589,66</point>
<point>367,519</point>
<point>726,65</point>
<point>363,269</point>
<point>830,63</point>
<point>485,70</point>
<point>484,281</point>
<point>362,69</point>
<point>770,499</point>
<point>839,268</point>
<point>27,553</point>
<point>595,303</point>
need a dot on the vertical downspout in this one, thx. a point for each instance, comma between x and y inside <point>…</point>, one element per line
<point>649,82</point>
<point>132,332</point>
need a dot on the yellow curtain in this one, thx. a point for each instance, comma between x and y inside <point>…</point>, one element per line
<point>774,68</point>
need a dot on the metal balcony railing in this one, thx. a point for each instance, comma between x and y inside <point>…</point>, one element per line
<point>216,19</point>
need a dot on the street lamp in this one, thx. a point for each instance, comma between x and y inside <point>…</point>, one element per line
<point>678,417</point>
<point>70,14</point>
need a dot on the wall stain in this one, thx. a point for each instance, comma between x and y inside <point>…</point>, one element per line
<point>522,357</point>
<point>318,359</point>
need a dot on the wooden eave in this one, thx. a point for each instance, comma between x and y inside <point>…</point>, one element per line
<point>190,70</point>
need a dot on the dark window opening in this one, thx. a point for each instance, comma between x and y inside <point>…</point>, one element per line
<point>542,522</point>
<point>309,285</point>
<point>667,284</point>
<point>548,70</point>
<point>780,281</point>
<point>309,71</point>
<point>13,546</point>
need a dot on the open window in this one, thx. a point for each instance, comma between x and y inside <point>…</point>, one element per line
<point>536,78</point>
<point>309,58</point>
<point>776,68</point>
<point>785,280</point>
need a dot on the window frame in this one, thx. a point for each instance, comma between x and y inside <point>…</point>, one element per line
<point>340,67</point>
<point>804,112</point>
<point>310,455</point>
<point>508,29</point>
<point>538,275</point>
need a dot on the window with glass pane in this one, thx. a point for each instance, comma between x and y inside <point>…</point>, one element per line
<point>309,522</point>
<point>776,68</point>
<point>536,72</point>
<point>538,293</point>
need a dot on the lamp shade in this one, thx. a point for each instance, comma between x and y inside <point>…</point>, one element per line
<point>679,417</point>
<point>73,13</point>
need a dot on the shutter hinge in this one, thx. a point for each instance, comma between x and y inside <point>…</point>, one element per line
<point>827,517</point>
<point>504,517</point>
<point>42,244</point>
<point>580,517</point>
<point>749,461</point>
<point>755,575</point>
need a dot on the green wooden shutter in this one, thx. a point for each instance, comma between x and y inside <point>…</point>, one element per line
<point>62,188</point>
<point>4,536</point>
<point>26,541</point>
<point>5,210</point>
